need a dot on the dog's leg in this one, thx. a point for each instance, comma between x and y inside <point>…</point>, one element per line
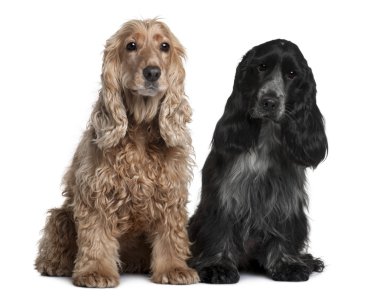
<point>57,248</point>
<point>96,264</point>
<point>284,264</point>
<point>171,249</point>
<point>213,249</point>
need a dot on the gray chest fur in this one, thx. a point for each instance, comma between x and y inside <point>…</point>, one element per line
<point>241,179</point>
<point>257,187</point>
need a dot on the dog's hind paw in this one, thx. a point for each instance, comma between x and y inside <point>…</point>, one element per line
<point>219,274</point>
<point>50,268</point>
<point>315,264</point>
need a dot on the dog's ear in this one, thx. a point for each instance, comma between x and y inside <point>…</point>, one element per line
<point>235,132</point>
<point>175,111</point>
<point>304,134</point>
<point>109,117</point>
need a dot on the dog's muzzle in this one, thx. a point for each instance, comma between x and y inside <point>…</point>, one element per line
<point>271,99</point>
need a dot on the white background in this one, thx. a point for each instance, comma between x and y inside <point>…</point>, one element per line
<point>50,61</point>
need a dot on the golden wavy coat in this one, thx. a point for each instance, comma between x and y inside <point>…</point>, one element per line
<point>126,189</point>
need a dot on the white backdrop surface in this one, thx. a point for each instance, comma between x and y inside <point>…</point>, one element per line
<point>50,61</point>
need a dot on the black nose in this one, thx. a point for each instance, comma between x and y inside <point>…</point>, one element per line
<point>269,104</point>
<point>152,73</point>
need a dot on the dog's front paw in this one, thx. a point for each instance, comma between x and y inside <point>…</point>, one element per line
<point>95,280</point>
<point>176,276</point>
<point>219,274</point>
<point>291,273</point>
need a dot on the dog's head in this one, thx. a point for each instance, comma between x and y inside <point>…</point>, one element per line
<point>274,82</point>
<point>142,76</point>
<point>148,51</point>
<point>274,77</point>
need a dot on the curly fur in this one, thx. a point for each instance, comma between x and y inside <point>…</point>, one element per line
<point>252,209</point>
<point>126,189</point>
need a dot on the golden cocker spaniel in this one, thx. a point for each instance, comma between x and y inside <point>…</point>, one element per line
<point>126,189</point>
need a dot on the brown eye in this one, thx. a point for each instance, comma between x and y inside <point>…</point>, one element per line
<point>165,47</point>
<point>262,67</point>
<point>131,46</point>
<point>292,74</point>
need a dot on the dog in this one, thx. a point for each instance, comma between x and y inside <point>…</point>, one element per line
<point>127,187</point>
<point>252,210</point>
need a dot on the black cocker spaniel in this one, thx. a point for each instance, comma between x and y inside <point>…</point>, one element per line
<point>252,209</point>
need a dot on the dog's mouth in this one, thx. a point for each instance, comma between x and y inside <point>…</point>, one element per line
<point>259,114</point>
<point>149,90</point>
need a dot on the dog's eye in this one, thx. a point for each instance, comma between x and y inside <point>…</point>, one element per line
<point>165,47</point>
<point>262,67</point>
<point>292,74</point>
<point>131,46</point>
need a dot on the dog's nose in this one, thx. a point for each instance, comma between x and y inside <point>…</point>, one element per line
<point>269,104</point>
<point>152,73</point>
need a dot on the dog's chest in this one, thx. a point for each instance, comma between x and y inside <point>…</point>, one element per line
<point>248,164</point>
<point>258,191</point>
<point>149,178</point>
<point>241,177</point>
<point>249,171</point>
<point>138,173</point>
<point>140,169</point>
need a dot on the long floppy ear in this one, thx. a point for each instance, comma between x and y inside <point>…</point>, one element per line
<point>175,111</point>
<point>304,132</point>
<point>235,132</point>
<point>109,117</point>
